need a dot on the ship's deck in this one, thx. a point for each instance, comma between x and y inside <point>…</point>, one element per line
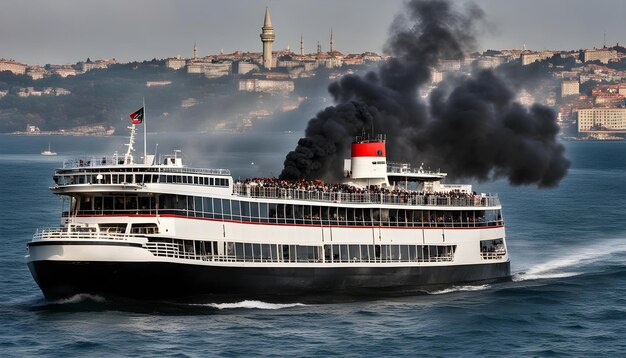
<point>272,188</point>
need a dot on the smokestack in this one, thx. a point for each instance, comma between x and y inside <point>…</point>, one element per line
<point>471,126</point>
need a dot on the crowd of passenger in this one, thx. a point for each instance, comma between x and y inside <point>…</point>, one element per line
<point>321,187</point>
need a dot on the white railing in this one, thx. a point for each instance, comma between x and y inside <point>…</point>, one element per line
<point>493,255</point>
<point>92,162</point>
<point>78,234</point>
<point>407,198</point>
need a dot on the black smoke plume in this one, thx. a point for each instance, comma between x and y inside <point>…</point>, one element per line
<point>470,126</point>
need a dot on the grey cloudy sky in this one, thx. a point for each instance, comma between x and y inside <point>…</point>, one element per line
<point>66,31</point>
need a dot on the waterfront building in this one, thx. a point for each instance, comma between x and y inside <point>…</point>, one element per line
<point>602,119</point>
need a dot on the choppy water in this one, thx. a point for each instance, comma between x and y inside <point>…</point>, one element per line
<point>567,296</point>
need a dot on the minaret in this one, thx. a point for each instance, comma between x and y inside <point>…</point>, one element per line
<point>331,39</point>
<point>267,37</point>
<point>319,47</point>
<point>301,45</point>
<point>195,51</point>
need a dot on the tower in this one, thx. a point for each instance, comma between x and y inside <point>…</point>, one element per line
<point>331,39</point>
<point>319,47</point>
<point>267,37</point>
<point>301,45</point>
<point>195,51</point>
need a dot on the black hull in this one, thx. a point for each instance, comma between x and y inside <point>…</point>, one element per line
<point>160,280</point>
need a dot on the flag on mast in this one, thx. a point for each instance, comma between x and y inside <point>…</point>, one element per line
<point>137,116</point>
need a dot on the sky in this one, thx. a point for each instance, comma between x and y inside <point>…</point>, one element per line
<point>39,32</point>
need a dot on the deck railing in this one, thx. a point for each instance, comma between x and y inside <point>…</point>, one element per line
<point>64,234</point>
<point>493,255</point>
<point>93,162</point>
<point>408,198</point>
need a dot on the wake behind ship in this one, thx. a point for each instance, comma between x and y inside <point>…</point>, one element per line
<point>160,229</point>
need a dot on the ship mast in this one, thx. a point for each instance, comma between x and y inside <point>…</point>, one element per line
<point>128,157</point>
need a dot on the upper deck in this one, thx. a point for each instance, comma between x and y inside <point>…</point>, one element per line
<point>342,193</point>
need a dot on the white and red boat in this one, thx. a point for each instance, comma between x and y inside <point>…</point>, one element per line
<point>159,229</point>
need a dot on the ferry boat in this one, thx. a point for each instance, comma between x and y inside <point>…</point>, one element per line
<point>161,230</point>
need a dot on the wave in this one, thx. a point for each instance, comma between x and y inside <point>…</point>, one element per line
<point>459,289</point>
<point>570,264</point>
<point>251,305</point>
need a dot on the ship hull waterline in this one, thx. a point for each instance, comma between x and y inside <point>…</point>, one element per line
<point>166,280</point>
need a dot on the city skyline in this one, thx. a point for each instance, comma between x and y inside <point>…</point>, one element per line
<point>38,32</point>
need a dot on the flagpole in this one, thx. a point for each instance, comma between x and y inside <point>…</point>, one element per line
<point>145,142</point>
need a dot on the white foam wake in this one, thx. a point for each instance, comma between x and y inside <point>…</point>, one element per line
<point>81,297</point>
<point>460,288</point>
<point>570,264</point>
<point>253,305</point>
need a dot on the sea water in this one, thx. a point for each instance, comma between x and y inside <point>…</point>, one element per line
<point>567,295</point>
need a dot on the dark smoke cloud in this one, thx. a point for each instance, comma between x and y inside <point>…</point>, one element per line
<point>470,126</point>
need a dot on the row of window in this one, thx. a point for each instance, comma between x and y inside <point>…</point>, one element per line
<point>114,178</point>
<point>245,211</point>
<point>237,251</point>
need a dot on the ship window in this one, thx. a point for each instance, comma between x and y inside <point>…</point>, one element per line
<point>272,212</point>
<point>113,228</point>
<point>289,213</point>
<point>355,254</point>
<point>208,207</point>
<point>280,213</point>
<point>341,216</point>
<point>364,252</point>
<point>404,252</point>
<point>283,253</point>
<point>236,210</point>
<point>217,208</point>
<point>395,252</point>
<point>292,253</point>
<point>239,251</point>
<point>97,203</point>
<point>131,202</point>
<point>336,253</point>
<point>256,252</point>
<point>298,213</point>
<point>211,182</point>
<point>367,218</point>
<point>324,210</point>
<point>262,213</point>
<point>328,253</point>
<point>198,205</point>
<point>432,250</point>
<point>119,203</point>
<point>402,218</point>
<point>85,204</point>
<point>250,210</point>
<point>412,253</point>
<point>384,252</point>
<point>315,214</point>
<point>332,215</point>
<point>307,253</point>
<point>373,251</point>
<point>344,254</point>
<point>266,252</point>
<point>226,209</point>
